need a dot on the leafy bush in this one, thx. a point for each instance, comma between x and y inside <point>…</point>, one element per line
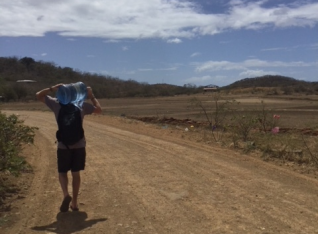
<point>9,94</point>
<point>243,124</point>
<point>13,134</point>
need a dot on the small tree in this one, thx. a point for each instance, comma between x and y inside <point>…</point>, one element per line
<point>9,94</point>
<point>266,119</point>
<point>215,115</point>
<point>28,62</point>
<point>243,123</point>
<point>20,90</point>
<point>287,90</point>
<point>13,134</point>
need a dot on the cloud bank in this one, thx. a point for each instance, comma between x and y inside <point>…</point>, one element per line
<point>139,19</point>
<point>249,64</point>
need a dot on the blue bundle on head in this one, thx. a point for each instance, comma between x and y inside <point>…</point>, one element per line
<point>74,93</point>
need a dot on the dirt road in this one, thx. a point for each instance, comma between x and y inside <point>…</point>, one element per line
<point>143,179</point>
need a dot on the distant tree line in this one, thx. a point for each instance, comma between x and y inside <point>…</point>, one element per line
<point>47,74</point>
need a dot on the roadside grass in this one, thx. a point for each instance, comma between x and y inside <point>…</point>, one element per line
<point>3,220</point>
<point>254,129</point>
<point>13,136</point>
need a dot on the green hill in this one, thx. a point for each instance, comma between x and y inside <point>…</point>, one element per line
<point>280,84</point>
<point>46,74</point>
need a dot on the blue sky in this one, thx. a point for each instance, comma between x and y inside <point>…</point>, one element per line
<point>166,41</point>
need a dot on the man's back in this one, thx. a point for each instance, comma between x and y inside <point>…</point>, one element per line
<point>70,127</point>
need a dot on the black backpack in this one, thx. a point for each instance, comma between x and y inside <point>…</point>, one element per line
<point>70,126</point>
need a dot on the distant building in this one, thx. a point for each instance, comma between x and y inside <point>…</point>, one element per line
<point>210,88</point>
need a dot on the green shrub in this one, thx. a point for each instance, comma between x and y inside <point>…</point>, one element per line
<point>13,134</point>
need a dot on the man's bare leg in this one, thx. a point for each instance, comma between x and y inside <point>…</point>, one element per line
<point>76,186</point>
<point>67,198</point>
<point>64,183</point>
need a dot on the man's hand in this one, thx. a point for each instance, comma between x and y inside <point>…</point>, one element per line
<point>56,87</point>
<point>90,94</point>
<point>41,94</point>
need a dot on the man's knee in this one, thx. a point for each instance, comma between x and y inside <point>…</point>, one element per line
<point>63,175</point>
<point>76,174</point>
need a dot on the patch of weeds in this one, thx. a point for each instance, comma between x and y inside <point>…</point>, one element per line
<point>267,153</point>
<point>3,220</point>
<point>243,124</point>
<point>249,147</point>
<point>235,140</point>
<point>215,112</point>
<point>311,148</point>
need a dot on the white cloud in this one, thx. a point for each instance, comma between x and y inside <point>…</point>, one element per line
<point>284,48</point>
<point>201,79</point>
<point>253,16</point>
<point>111,41</point>
<point>195,54</point>
<point>175,40</point>
<point>159,69</point>
<point>131,72</point>
<point>256,73</point>
<point>274,49</point>
<point>205,80</point>
<point>145,69</point>
<point>124,48</point>
<point>314,46</point>
<point>235,2</point>
<point>219,65</point>
<point>168,69</point>
<point>224,42</point>
<point>247,64</point>
<point>43,54</point>
<point>104,72</point>
<point>139,19</point>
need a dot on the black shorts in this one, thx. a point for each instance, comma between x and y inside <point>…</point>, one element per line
<point>71,159</point>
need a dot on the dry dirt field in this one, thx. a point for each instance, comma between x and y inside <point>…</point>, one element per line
<point>149,178</point>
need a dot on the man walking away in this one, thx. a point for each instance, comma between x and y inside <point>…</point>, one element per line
<point>71,152</point>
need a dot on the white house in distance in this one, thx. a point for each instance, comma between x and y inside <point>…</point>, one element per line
<point>210,88</point>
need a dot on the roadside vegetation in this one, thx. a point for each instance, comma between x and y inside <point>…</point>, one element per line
<point>256,130</point>
<point>13,136</point>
